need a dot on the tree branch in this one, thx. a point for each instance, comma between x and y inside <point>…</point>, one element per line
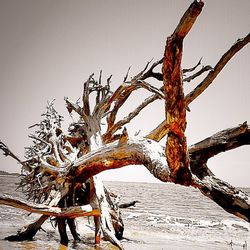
<point>128,118</point>
<point>149,73</point>
<point>222,141</point>
<point>188,19</point>
<point>160,131</point>
<point>184,71</point>
<point>128,204</point>
<point>70,212</point>
<point>176,146</point>
<point>28,232</point>
<point>200,72</point>
<point>85,96</point>
<point>8,152</point>
<point>116,155</point>
<point>151,155</point>
<point>240,43</point>
<point>121,95</point>
<point>73,106</point>
<point>228,197</point>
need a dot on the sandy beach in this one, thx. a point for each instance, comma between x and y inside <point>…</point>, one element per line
<point>160,221</point>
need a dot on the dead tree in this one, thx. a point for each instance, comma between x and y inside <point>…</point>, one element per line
<point>60,169</point>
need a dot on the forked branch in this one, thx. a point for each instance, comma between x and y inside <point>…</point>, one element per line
<point>160,131</point>
<point>240,43</point>
<point>8,152</point>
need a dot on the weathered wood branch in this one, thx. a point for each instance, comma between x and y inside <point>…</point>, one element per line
<point>184,71</point>
<point>161,130</point>
<point>116,155</point>
<point>220,142</point>
<point>113,127</point>
<point>200,72</point>
<point>119,124</point>
<point>128,204</point>
<point>150,73</point>
<point>176,149</point>
<point>151,88</point>
<point>111,227</point>
<point>176,146</point>
<point>103,93</point>
<point>158,75</point>
<point>188,19</point>
<point>119,98</point>
<point>134,113</point>
<point>85,96</point>
<point>140,151</point>
<point>123,92</point>
<point>240,43</point>
<point>70,212</point>
<point>8,152</point>
<point>73,106</point>
<point>150,154</point>
<point>228,197</point>
<point>28,232</point>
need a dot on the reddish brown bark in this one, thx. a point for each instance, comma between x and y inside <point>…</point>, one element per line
<point>176,145</point>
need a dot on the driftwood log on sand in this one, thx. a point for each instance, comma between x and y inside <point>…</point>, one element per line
<point>59,173</point>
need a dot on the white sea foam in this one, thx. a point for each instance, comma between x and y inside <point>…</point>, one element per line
<point>164,212</point>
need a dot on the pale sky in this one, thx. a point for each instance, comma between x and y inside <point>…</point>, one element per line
<point>49,48</point>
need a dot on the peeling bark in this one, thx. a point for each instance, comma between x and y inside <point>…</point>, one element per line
<point>176,145</point>
<point>162,129</point>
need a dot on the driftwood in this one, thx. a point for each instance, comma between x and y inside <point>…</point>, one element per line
<point>69,212</point>
<point>28,232</point>
<point>128,204</point>
<point>59,172</point>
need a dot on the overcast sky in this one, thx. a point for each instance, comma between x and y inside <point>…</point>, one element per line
<point>49,48</point>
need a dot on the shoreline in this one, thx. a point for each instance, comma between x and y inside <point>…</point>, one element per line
<point>161,221</point>
<point>133,240</point>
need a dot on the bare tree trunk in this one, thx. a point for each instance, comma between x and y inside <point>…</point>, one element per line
<point>176,145</point>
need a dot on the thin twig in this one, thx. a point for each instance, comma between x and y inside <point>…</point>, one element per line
<point>200,72</point>
<point>193,68</point>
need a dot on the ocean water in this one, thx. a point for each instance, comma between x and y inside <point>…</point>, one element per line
<point>167,216</point>
<point>183,215</point>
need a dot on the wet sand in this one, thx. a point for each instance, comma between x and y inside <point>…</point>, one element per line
<point>159,222</point>
<point>133,239</point>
